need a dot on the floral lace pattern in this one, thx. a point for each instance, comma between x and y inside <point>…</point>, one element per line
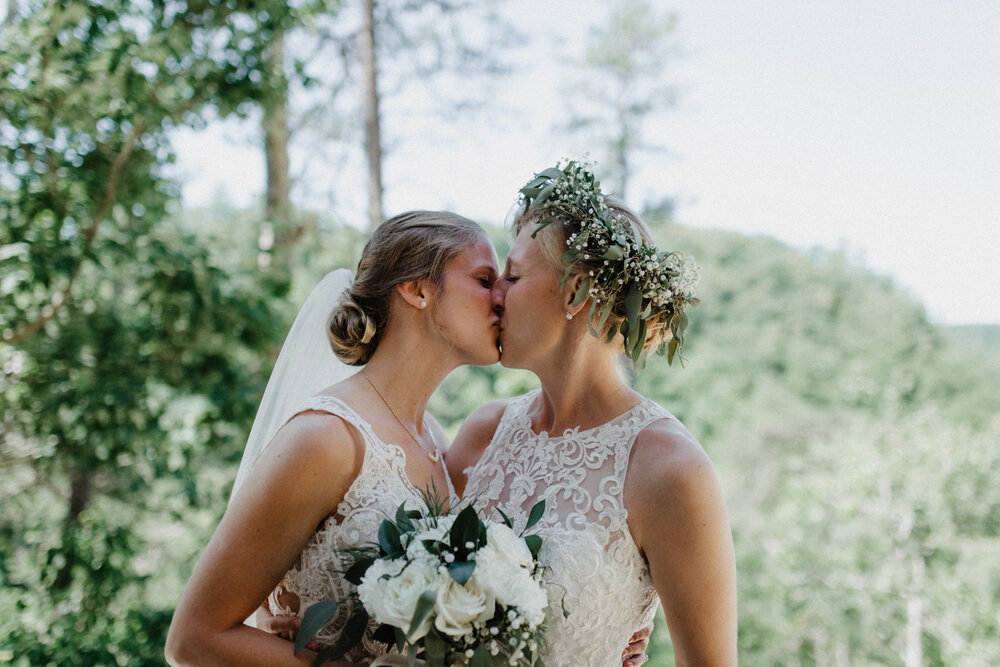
<point>317,574</point>
<point>596,572</point>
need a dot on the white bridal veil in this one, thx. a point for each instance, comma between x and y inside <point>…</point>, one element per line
<point>305,365</point>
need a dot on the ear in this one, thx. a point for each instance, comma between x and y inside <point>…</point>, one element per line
<point>570,289</point>
<point>414,292</point>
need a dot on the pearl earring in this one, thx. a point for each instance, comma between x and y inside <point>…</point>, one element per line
<point>423,304</point>
<point>569,316</point>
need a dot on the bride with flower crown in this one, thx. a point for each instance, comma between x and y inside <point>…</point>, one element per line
<point>633,511</point>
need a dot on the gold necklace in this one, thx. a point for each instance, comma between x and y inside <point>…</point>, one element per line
<point>435,455</point>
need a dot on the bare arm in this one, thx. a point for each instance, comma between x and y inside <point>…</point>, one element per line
<point>299,480</point>
<point>677,515</point>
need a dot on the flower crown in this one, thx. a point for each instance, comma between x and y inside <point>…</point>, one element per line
<point>620,267</point>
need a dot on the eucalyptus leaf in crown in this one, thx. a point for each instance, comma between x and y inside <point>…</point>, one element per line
<point>619,268</point>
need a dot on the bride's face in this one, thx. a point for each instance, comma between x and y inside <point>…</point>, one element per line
<point>464,314</point>
<point>533,320</point>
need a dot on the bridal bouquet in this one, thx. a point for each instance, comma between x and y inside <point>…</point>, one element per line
<point>453,589</point>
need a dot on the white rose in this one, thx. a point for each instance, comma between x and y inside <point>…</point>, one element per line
<point>504,565</point>
<point>458,607</point>
<point>508,545</point>
<point>394,600</point>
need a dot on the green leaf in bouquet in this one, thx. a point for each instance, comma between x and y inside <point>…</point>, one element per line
<point>465,529</point>
<point>354,631</point>
<point>356,572</point>
<point>388,539</point>
<point>387,634</point>
<point>313,620</point>
<point>537,510</point>
<point>435,648</point>
<point>434,546</point>
<point>506,519</point>
<point>480,657</point>
<point>534,543</point>
<point>411,655</point>
<point>400,639</point>
<point>423,609</point>
<point>403,519</point>
<point>461,571</point>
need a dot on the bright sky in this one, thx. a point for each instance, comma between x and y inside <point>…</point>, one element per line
<point>868,125</point>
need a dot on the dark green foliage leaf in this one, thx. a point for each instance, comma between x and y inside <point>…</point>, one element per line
<point>582,292</point>
<point>422,610</point>
<point>481,657</point>
<point>436,648</point>
<point>461,571</point>
<point>313,620</point>
<point>356,572</point>
<point>389,539</point>
<point>403,521</point>
<point>465,529</point>
<point>536,513</point>
<point>506,519</point>
<point>633,303</point>
<point>534,543</point>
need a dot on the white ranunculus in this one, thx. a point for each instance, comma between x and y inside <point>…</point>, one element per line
<point>458,607</point>
<point>394,600</point>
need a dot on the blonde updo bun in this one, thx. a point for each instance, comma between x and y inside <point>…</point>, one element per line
<point>411,246</point>
<point>351,330</point>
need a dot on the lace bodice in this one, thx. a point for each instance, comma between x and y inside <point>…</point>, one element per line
<point>379,488</point>
<point>595,569</point>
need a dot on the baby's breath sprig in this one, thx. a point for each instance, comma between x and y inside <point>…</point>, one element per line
<point>618,267</point>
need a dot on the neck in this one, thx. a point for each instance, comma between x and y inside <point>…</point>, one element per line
<point>583,388</point>
<point>406,380</point>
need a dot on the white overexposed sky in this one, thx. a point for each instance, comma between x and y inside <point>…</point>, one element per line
<point>868,125</point>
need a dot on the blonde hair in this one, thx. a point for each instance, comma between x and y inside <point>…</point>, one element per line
<point>552,239</point>
<point>411,246</point>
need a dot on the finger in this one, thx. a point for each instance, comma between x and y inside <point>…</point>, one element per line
<point>638,646</point>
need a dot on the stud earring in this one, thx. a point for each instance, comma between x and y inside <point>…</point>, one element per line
<point>423,304</point>
<point>569,316</point>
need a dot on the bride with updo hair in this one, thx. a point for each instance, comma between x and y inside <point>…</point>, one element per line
<point>341,439</point>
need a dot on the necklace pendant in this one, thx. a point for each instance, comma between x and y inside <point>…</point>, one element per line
<point>434,456</point>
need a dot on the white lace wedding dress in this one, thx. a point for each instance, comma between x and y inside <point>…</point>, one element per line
<point>596,571</point>
<point>317,574</point>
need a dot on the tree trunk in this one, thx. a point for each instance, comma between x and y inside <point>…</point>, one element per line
<point>373,141</point>
<point>276,137</point>
<point>81,485</point>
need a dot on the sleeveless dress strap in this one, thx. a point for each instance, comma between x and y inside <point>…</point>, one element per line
<point>338,408</point>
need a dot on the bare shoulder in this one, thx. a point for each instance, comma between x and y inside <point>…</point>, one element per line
<point>315,454</point>
<point>669,467</point>
<point>476,432</point>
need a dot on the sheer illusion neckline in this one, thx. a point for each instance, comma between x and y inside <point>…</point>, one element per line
<point>522,420</point>
<point>368,431</point>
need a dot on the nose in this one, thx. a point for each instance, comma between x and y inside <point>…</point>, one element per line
<point>498,294</point>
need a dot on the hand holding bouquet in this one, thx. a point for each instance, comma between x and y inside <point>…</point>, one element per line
<point>455,589</point>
